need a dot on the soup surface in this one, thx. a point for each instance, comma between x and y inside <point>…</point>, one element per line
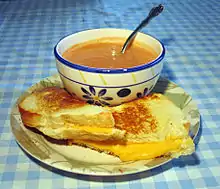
<point>105,53</point>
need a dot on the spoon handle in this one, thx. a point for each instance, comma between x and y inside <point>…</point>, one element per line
<point>155,11</point>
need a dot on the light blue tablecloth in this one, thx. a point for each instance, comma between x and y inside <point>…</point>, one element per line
<point>190,31</point>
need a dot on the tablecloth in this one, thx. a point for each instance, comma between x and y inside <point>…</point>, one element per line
<point>29,29</point>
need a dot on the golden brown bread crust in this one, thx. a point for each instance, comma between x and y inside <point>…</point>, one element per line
<point>151,118</point>
<point>141,119</point>
<point>132,117</point>
<point>52,99</point>
<point>49,100</point>
<point>61,108</point>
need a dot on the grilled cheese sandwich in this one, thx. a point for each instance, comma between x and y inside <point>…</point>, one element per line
<point>145,128</point>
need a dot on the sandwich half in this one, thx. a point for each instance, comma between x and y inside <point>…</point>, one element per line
<point>57,114</point>
<point>154,127</point>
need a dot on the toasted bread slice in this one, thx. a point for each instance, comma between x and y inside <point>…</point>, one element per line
<point>150,119</point>
<point>59,115</point>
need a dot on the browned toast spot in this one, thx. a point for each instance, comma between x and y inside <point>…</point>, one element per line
<point>55,98</point>
<point>135,118</point>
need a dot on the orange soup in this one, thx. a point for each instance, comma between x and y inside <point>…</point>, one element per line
<point>105,53</point>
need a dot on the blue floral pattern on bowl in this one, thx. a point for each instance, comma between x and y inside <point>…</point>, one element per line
<point>94,97</point>
<point>145,92</point>
<point>140,95</point>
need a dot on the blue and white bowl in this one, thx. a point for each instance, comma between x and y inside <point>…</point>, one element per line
<point>108,86</point>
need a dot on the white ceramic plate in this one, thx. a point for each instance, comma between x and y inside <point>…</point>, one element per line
<point>83,160</point>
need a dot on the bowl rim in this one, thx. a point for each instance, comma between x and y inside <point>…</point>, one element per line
<point>107,70</point>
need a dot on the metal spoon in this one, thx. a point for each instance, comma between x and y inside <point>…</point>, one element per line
<point>155,11</point>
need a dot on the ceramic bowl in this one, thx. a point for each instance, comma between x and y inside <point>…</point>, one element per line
<point>108,86</point>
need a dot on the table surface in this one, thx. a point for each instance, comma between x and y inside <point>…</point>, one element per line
<point>190,31</point>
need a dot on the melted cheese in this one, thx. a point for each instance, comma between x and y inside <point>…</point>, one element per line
<point>137,151</point>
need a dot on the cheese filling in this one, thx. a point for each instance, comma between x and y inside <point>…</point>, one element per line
<point>137,151</point>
